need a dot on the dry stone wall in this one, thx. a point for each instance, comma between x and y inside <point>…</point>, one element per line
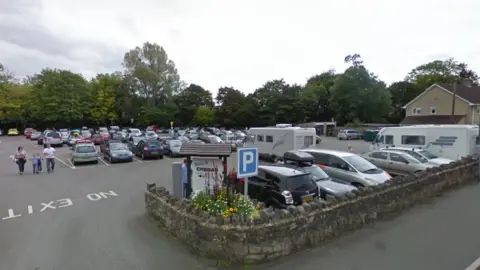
<point>278,233</point>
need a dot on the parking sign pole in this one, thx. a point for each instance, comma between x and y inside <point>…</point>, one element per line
<point>245,187</point>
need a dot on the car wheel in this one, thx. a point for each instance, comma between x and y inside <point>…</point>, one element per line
<point>74,163</point>
<point>358,185</point>
<point>274,159</point>
<point>161,157</point>
<point>96,161</point>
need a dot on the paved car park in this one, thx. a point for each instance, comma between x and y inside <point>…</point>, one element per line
<point>92,216</point>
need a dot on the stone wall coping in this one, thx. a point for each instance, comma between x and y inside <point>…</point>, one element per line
<point>373,191</point>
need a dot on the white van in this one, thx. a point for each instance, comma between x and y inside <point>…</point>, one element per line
<point>447,141</point>
<point>273,142</point>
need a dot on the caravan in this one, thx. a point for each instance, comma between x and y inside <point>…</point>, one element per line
<point>273,142</point>
<point>447,141</point>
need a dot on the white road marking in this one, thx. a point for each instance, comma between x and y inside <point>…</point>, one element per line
<point>137,160</point>
<point>56,204</point>
<point>474,266</point>
<point>167,158</point>
<point>71,163</point>
<point>11,214</point>
<point>64,163</point>
<point>103,161</point>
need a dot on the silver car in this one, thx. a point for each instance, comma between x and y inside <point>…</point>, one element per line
<point>35,135</point>
<point>422,155</point>
<point>53,138</point>
<point>398,162</point>
<point>348,167</point>
<point>65,135</point>
<point>151,135</point>
<point>349,134</point>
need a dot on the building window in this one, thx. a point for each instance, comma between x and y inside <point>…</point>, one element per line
<point>260,138</point>
<point>413,140</point>
<point>416,110</point>
<point>433,110</point>
<point>269,138</point>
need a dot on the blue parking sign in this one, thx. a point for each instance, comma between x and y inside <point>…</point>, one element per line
<point>247,162</point>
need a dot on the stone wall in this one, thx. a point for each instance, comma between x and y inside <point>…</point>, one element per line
<point>278,233</point>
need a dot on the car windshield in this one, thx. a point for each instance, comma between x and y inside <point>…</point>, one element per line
<point>417,156</point>
<point>85,149</point>
<point>175,143</point>
<point>118,147</point>
<point>316,173</point>
<point>215,139</point>
<point>300,182</point>
<point>360,163</point>
<point>53,135</point>
<point>151,133</point>
<point>136,131</point>
<point>427,154</point>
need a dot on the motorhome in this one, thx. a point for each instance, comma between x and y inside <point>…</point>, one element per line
<point>273,142</point>
<point>447,141</point>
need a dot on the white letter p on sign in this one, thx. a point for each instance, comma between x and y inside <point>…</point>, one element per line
<point>247,159</point>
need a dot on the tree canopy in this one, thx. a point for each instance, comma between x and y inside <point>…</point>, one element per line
<point>149,91</point>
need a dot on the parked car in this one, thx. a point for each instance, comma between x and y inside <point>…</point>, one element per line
<point>349,134</point>
<point>327,185</point>
<point>397,162</point>
<point>148,149</point>
<point>210,139</point>
<point>232,140</point>
<point>54,138</point>
<point>116,151</point>
<point>65,135</point>
<point>196,142</point>
<point>279,186</point>
<point>151,135</point>
<point>85,133</point>
<point>183,139</point>
<point>72,139</point>
<point>348,167</point>
<point>35,135</point>
<point>134,132</point>
<point>172,148</point>
<point>97,139</point>
<point>28,132</point>
<point>84,152</point>
<point>105,135</point>
<point>133,141</point>
<point>12,132</point>
<point>422,155</point>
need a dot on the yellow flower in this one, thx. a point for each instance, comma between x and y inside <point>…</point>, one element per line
<point>231,209</point>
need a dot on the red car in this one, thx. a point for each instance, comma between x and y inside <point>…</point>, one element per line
<point>97,139</point>
<point>28,132</point>
<point>105,135</point>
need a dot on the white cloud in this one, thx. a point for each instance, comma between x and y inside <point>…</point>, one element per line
<point>245,43</point>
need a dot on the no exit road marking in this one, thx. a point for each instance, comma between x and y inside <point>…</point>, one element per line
<point>53,205</point>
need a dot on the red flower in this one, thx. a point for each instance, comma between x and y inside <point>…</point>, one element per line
<point>241,181</point>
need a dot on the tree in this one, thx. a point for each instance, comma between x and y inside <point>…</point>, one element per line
<point>189,100</point>
<point>203,116</point>
<point>60,96</point>
<point>102,108</point>
<point>316,96</point>
<point>359,95</point>
<point>401,93</point>
<point>229,104</point>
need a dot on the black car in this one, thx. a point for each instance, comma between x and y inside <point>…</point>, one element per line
<point>148,149</point>
<point>328,186</point>
<point>280,186</point>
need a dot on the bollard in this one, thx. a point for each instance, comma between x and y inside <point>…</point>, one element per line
<point>177,182</point>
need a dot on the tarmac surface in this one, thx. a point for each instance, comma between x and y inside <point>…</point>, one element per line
<point>93,217</point>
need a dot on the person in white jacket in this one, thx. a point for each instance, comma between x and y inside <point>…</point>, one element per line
<point>49,154</point>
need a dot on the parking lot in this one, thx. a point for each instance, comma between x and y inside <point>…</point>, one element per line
<point>90,216</point>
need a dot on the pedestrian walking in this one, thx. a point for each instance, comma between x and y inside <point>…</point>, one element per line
<point>49,154</point>
<point>36,163</point>
<point>184,177</point>
<point>20,158</point>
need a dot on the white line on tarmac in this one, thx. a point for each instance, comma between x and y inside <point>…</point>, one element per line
<point>71,163</point>
<point>137,160</point>
<point>64,163</point>
<point>103,161</point>
<point>474,266</point>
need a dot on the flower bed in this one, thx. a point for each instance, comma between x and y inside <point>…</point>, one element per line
<point>225,201</point>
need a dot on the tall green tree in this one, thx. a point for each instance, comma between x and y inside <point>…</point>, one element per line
<point>203,116</point>
<point>189,100</point>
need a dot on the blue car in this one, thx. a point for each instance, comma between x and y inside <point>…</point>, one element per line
<point>149,149</point>
<point>117,152</point>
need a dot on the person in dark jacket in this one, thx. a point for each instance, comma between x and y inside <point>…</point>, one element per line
<point>20,158</point>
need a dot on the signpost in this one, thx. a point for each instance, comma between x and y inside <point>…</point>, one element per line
<point>247,164</point>
<point>171,129</point>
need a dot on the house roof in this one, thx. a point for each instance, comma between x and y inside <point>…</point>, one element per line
<point>431,119</point>
<point>470,95</point>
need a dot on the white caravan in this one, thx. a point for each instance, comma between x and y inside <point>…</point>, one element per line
<point>273,142</point>
<point>447,141</point>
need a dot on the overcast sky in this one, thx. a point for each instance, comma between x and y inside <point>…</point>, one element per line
<point>244,43</point>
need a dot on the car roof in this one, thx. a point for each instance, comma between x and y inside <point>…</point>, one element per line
<point>277,169</point>
<point>402,148</point>
<point>390,151</point>
<point>328,151</point>
<point>83,144</point>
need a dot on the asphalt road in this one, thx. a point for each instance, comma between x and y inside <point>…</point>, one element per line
<point>92,217</point>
